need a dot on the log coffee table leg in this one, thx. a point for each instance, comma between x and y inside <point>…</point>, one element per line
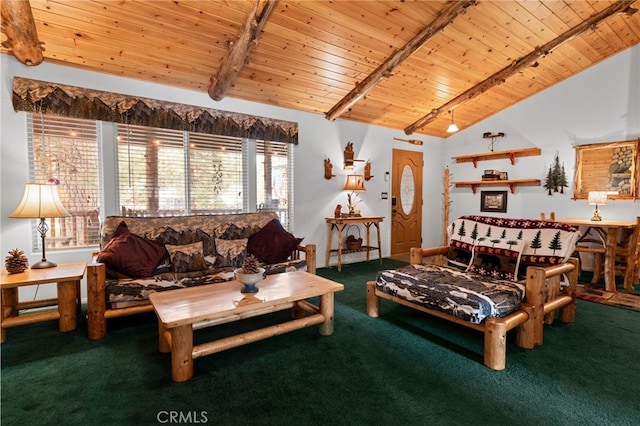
<point>182,353</point>
<point>67,305</point>
<point>164,346</point>
<point>326,309</point>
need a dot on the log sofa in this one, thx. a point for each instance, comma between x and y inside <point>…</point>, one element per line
<point>142,255</point>
<point>495,275</point>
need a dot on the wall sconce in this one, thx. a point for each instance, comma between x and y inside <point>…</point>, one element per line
<point>355,184</point>
<point>328,169</point>
<point>452,127</point>
<point>367,171</point>
<point>348,156</point>
<point>39,202</point>
<point>489,135</point>
<point>595,198</point>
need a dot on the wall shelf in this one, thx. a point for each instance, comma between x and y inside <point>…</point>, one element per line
<point>496,155</point>
<point>511,183</point>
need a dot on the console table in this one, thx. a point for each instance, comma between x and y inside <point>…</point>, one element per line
<point>340,223</point>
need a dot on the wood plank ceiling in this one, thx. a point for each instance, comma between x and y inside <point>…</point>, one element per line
<point>315,56</point>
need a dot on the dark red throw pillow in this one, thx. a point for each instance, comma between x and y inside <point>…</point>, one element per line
<point>130,255</point>
<point>272,244</point>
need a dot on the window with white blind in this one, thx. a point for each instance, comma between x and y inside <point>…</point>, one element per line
<point>167,173</point>
<point>159,172</point>
<point>273,176</point>
<point>66,150</point>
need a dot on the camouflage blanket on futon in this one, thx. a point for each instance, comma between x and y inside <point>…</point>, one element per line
<point>125,292</point>
<point>466,295</point>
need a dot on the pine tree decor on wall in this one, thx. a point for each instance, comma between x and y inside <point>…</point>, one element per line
<point>556,179</point>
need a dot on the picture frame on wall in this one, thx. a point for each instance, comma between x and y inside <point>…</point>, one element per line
<point>493,201</point>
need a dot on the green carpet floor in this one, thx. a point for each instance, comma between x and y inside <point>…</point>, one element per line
<point>404,368</point>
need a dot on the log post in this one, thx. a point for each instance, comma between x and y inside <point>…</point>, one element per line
<point>568,312</point>
<point>96,301</point>
<point>310,258</point>
<point>181,353</point>
<point>536,277</point>
<point>415,256</point>
<point>373,303</point>
<point>495,344</point>
<point>326,310</point>
<point>67,305</point>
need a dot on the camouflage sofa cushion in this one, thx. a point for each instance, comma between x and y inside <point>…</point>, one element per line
<point>183,231</point>
<point>466,295</point>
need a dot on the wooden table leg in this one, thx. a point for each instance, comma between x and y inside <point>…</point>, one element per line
<point>164,346</point>
<point>630,269</point>
<point>610,259</point>
<point>329,235</point>
<point>182,353</point>
<point>326,309</point>
<point>368,225</point>
<point>340,227</point>
<point>67,305</point>
<point>8,303</point>
<point>377,224</point>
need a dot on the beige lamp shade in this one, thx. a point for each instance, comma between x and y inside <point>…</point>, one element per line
<point>597,198</point>
<point>40,201</point>
<point>354,183</point>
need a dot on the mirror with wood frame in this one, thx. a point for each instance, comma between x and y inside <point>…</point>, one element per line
<point>610,166</point>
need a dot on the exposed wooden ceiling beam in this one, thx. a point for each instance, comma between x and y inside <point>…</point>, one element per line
<point>386,68</point>
<point>20,29</point>
<point>524,62</point>
<point>236,55</point>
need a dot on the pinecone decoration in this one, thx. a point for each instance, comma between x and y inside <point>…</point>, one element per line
<point>16,262</point>
<point>250,265</point>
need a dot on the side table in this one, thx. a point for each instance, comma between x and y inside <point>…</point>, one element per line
<point>67,276</point>
<point>340,223</point>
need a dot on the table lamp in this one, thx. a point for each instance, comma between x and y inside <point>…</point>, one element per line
<point>39,202</point>
<point>354,183</point>
<point>597,198</point>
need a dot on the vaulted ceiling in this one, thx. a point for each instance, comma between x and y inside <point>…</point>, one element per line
<point>401,64</point>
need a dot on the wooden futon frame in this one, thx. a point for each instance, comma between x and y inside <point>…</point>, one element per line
<point>543,297</point>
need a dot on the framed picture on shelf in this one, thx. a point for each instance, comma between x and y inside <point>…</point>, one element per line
<point>493,201</point>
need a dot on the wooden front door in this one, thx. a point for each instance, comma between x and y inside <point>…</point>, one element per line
<point>406,201</point>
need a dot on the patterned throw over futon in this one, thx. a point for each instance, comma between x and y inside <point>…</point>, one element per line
<point>485,256</point>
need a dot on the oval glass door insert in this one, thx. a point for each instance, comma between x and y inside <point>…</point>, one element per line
<point>407,189</point>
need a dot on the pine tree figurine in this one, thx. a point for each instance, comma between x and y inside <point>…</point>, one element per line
<point>16,262</point>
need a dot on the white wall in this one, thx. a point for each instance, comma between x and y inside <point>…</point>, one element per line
<point>600,104</point>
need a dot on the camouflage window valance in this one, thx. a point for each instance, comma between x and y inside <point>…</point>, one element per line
<point>70,101</point>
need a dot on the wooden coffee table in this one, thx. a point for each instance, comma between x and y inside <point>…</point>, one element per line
<point>182,311</point>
